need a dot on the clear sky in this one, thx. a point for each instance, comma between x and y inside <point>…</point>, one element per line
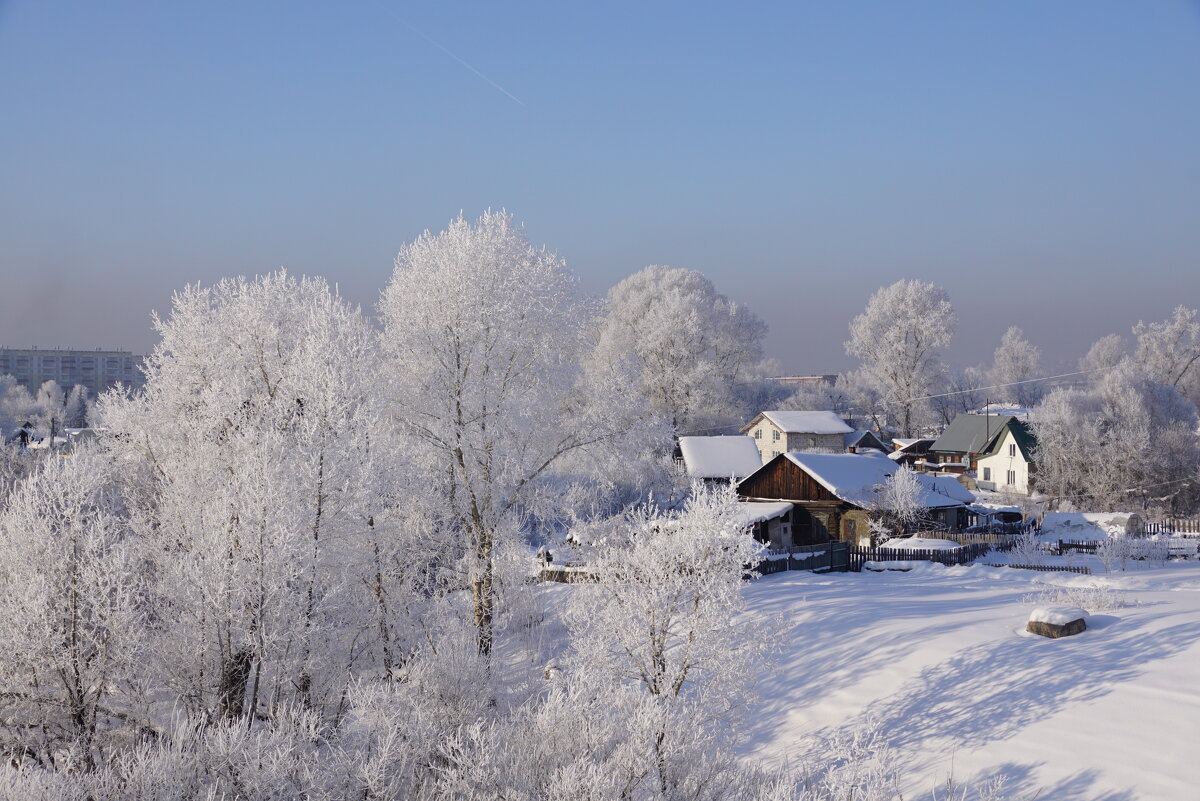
<point>1040,160</point>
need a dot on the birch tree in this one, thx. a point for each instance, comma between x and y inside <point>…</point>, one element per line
<point>483,335</point>
<point>255,428</point>
<point>898,336</point>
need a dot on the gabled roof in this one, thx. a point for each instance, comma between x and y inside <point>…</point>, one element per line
<point>1021,434</point>
<point>856,478</point>
<point>792,422</point>
<point>720,457</point>
<point>855,439</point>
<point>970,433</point>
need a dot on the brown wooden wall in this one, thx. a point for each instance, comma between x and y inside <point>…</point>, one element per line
<point>781,478</point>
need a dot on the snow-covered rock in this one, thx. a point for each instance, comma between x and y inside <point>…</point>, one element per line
<point>1057,621</point>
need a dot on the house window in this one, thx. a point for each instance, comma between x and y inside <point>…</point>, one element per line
<point>758,433</point>
<point>1012,477</point>
<point>1012,450</point>
<point>775,436</point>
<point>987,474</point>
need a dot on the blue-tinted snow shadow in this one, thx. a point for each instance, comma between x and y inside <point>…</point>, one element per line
<point>992,691</point>
<point>1020,782</point>
<point>982,694</point>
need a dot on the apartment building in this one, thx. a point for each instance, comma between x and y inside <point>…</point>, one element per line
<point>95,369</point>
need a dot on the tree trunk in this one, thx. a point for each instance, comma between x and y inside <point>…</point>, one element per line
<point>235,674</point>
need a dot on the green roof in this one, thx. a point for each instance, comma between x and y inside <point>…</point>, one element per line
<point>970,433</point>
<point>1021,435</point>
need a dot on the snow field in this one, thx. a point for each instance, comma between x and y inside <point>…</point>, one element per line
<point>937,659</point>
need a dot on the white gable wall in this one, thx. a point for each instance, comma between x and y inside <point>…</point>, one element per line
<point>993,471</point>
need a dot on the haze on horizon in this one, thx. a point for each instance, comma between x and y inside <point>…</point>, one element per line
<point>1039,161</point>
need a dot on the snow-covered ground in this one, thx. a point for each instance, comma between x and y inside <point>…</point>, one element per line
<point>939,660</point>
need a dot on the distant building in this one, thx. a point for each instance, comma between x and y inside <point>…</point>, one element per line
<point>830,379</point>
<point>779,432</point>
<point>95,369</point>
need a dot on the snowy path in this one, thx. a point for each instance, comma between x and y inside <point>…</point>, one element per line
<point>939,660</point>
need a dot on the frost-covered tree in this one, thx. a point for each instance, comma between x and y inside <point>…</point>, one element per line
<point>48,410</point>
<point>1105,354</point>
<point>1117,443</point>
<point>16,405</point>
<point>660,633</point>
<point>1170,351</point>
<point>898,336</point>
<point>75,407</point>
<point>1015,363</point>
<point>256,493</point>
<point>72,621</point>
<point>483,336</point>
<point>686,347</point>
<point>897,508</point>
<point>959,391</point>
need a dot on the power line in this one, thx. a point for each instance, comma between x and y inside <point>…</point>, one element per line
<point>1009,384</point>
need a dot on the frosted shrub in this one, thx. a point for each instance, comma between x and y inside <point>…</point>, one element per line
<point>1093,599</point>
<point>1027,549</point>
<point>1113,552</point>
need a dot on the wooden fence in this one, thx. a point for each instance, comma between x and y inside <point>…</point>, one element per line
<point>1048,568</point>
<point>818,558</point>
<point>1179,526</point>
<point>997,542</point>
<point>955,556</point>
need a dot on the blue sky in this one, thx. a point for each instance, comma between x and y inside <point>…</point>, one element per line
<point>1039,160</point>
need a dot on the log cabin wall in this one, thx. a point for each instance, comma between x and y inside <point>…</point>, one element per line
<point>782,479</point>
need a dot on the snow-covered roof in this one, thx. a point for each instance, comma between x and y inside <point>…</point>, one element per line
<point>720,457</point>
<point>808,422</point>
<point>1087,526</point>
<point>751,512</point>
<point>856,478</point>
<point>950,487</point>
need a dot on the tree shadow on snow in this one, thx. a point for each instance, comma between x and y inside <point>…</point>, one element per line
<point>1021,784</point>
<point>994,690</point>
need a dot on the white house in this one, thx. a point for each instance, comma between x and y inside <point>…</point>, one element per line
<point>797,432</point>
<point>1007,463</point>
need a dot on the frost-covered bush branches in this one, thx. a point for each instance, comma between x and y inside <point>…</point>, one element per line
<point>898,505</point>
<point>1094,598</point>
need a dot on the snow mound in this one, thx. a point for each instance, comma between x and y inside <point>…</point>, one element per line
<point>1056,615</point>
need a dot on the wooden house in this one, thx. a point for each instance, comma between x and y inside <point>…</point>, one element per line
<point>834,493</point>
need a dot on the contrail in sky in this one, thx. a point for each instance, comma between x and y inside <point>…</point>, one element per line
<point>456,57</point>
